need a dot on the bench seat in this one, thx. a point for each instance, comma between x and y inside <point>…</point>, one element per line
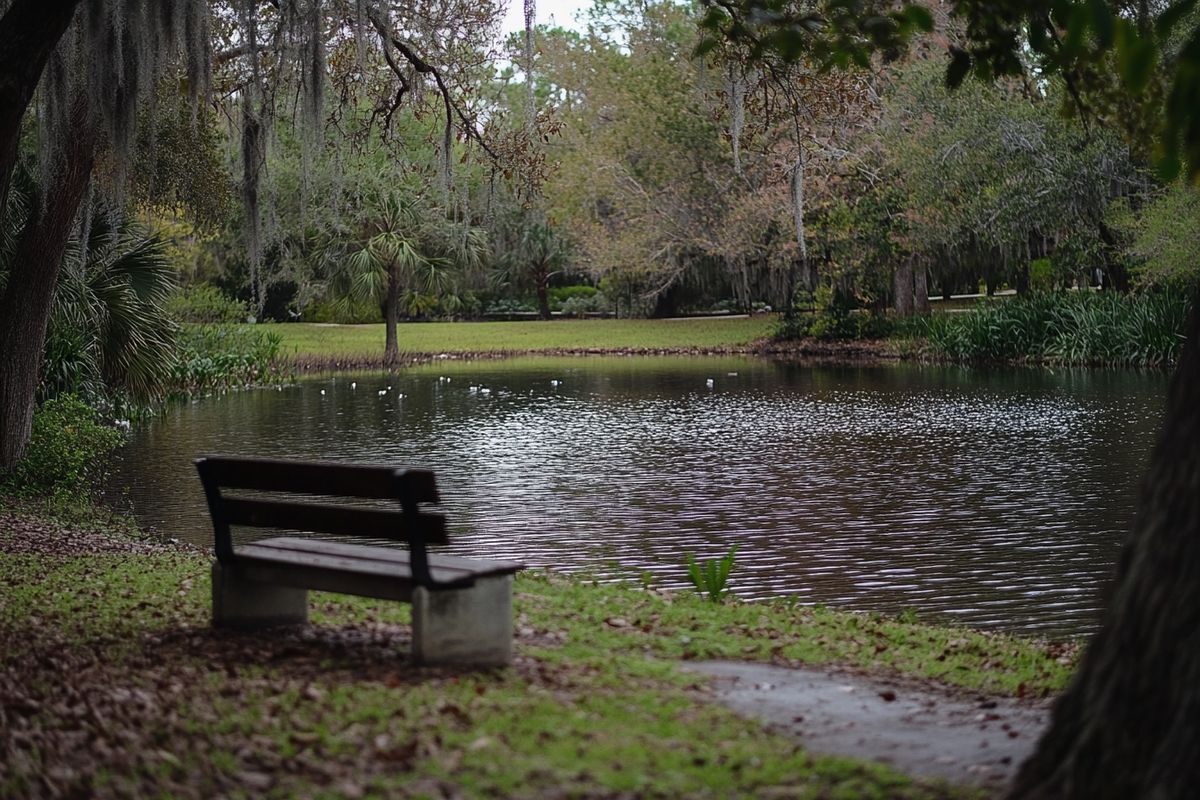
<point>359,569</point>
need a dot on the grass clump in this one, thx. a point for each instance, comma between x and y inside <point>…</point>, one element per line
<point>1085,328</point>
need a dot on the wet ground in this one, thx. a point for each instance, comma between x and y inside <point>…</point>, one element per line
<point>917,727</point>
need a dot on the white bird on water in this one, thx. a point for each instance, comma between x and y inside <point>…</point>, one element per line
<point>472,389</point>
<point>122,424</point>
<point>382,392</point>
<point>485,390</point>
<point>555,382</point>
<point>353,385</point>
<point>322,393</point>
<point>709,383</point>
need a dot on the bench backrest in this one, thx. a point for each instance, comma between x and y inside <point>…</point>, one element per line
<point>409,487</point>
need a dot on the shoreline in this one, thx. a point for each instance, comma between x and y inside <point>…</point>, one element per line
<point>850,353</point>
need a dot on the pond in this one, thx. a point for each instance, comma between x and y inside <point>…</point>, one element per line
<point>998,498</point>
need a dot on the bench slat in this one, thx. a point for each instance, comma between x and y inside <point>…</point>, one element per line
<point>322,518</point>
<point>338,574</point>
<point>323,477</point>
<point>442,566</point>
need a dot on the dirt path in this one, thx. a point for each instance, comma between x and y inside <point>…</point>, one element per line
<point>917,727</point>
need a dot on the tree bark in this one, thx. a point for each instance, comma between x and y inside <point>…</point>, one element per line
<point>29,31</point>
<point>543,294</point>
<point>391,315</point>
<point>921,289</point>
<point>1023,278</point>
<point>902,288</point>
<point>29,296</point>
<point>1129,723</point>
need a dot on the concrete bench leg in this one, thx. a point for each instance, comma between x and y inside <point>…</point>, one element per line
<point>242,603</point>
<point>464,626</point>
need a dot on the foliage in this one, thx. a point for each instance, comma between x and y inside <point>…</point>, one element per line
<point>581,305</point>
<point>561,294</point>
<point>109,337</point>
<point>989,174</point>
<point>110,334</point>
<point>219,357</point>
<point>1163,238</point>
<point>1144,329</point>
<point>203,303</point>
<point>68,452</point>
<point>711,577</point>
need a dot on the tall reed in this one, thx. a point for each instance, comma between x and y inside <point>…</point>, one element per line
<point>1141,330</point>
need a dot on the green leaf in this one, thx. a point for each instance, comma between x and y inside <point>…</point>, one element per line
<point>1136,57</point>
<point>1102,22</point>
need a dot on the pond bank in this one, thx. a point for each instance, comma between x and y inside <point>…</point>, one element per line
<point>113,683</point>
<point>865,352</point>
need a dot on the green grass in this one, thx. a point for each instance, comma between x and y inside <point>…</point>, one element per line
<point>594,704</point>
<point>366,341</point>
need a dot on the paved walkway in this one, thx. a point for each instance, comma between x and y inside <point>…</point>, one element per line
<point>917,727</point>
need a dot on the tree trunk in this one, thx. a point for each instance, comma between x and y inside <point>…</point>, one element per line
<point>921,289</point>
<point>1023,278</point>
<point>29,31</point>
<point>1129,723</point>
<point>29,296</point>
<point>391,314</point>
<point>902,288</point>
<point>1115,274</point>
<point>543,296</point>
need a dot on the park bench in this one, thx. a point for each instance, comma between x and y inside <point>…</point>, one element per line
<point>462,607</point>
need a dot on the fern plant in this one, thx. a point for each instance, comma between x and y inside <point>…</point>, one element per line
<point>711,577</point>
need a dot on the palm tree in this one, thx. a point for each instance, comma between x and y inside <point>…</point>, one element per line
<point>409,257</point>
<point>108,333</point>
<point>111,301</point>
<point>539,253</point>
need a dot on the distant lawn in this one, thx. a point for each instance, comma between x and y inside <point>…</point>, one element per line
<point>316,340</point>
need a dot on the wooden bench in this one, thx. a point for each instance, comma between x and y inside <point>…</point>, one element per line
<point>462,607</point>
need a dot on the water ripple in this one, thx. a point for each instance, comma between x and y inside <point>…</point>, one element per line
<point>996,499</point>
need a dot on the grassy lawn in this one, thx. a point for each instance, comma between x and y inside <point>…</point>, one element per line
<point>313,340</point>
<point>115,685</point>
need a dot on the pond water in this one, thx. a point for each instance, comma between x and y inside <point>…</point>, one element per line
<point>996,498</point>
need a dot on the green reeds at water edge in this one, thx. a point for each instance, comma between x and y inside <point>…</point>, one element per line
<point>1106,328</point>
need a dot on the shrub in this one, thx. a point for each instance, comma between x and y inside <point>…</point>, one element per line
<point>205,304</point>
<point>68,451</point>
<point>223,357</point>
<point>580,305</point>
<point>1041,275</point>
<point>559,295</point>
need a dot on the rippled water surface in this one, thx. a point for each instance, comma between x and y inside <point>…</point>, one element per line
<point>996,498</point>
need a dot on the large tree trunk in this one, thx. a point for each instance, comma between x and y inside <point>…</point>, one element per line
<point>902,288</point>
<point>29,31</point>
<point>391,315</point>
<point>29,297</point>
<point>1129,724</point>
